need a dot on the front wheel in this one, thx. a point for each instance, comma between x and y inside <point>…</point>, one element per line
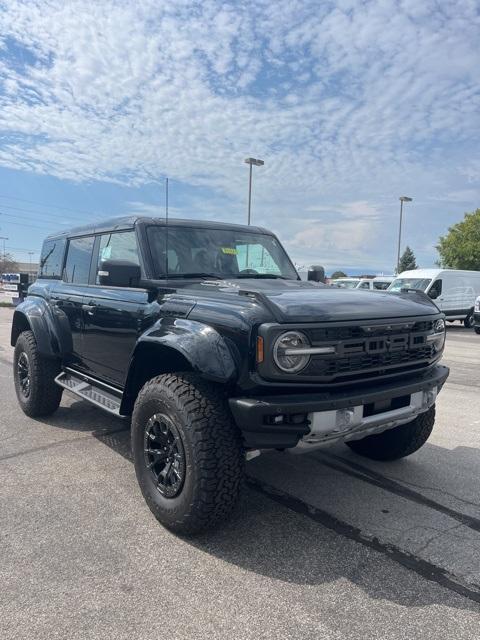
<point>398,442</point>
<point>34,375</point>
<point>188,453</point>
<point>477,330</point>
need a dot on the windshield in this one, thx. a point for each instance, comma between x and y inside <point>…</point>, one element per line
<point>410,283</point>
<point>218,253</point>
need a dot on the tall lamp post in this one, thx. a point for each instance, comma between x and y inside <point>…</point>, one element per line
<point>257,163</point>
<point>4,252</point>
<point>402,200</point>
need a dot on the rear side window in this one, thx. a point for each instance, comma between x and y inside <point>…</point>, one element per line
<point>51,259</point>
<point>79,256</point>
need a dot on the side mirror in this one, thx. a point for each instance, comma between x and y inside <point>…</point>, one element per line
<point>316,274</point>
<point>433,293</point>
<point>119,273</point>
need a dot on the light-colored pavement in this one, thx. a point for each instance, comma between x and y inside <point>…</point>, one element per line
<point>327,545</point>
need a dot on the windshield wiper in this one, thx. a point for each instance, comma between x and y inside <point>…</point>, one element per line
<point>270,276</point>
<point>199,274</point>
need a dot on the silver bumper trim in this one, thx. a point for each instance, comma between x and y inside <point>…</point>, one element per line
<point>350,424</point>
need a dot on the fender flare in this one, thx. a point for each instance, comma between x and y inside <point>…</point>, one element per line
<point>52,336</point>
<point>201,345</point>
<point>180,343</point>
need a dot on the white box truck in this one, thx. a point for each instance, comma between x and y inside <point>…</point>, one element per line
<point>454,291</point>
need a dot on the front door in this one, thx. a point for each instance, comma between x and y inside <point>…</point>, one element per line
<point>112,316</point>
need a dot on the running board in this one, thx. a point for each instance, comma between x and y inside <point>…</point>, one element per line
<point>86,388</point>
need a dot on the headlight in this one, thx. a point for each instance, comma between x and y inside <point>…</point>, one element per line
<point>438,335</point>
<point>477,304</point>
<point>284,351</point>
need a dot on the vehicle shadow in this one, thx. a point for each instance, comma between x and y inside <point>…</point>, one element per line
<point>270,540</point>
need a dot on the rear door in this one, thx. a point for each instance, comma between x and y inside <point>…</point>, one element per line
<point>112,316</point>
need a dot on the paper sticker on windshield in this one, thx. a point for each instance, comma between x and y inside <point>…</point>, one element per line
<point>229,251</point>
<point>106,252</point>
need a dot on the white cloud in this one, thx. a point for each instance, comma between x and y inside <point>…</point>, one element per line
<point>350,104</point>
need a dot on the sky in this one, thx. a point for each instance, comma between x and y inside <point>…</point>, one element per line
<point>351,104</point>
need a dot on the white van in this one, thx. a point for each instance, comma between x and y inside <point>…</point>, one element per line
<point>454,291</point>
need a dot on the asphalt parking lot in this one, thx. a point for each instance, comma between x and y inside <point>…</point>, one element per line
<point>327,545</point>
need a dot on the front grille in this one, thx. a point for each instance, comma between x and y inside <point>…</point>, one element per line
<point>336,366</point>
<point>369,350</point>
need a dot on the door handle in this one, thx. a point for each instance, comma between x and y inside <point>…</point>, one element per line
<point>89,308</point>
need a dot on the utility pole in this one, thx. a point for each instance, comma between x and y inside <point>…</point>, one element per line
<point>402,200</point>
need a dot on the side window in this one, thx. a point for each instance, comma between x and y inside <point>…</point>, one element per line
<point>437,287</point>
<point>121,245</point>
<point>79,256</point>
<point>51,259</point>
<point>364,285</point>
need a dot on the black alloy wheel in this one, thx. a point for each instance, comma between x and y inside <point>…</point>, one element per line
<point>23,373</point>
<point>165,455</point>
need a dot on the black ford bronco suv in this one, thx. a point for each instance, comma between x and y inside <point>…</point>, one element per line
<point>204,335</point>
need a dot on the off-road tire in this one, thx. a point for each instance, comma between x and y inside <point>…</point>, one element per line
<point>398,442</point>
<point>44,394</point>
<point>212,446</point>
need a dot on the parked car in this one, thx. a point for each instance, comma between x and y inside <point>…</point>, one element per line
<point>345,283</point>
<point>380,283</point>
<point>476,316</point>
<point>204,336</point>
<point>454,291</point>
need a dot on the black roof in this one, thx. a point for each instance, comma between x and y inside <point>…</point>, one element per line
<point>128,222</point>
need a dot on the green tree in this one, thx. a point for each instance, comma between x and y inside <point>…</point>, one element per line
<point>338,274</point>
<point>407,261</point>
<point>460,247</point>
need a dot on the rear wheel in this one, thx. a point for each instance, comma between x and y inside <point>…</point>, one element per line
<point>398,442</point>
<point>188,453</point>
<point>34,376</point>
<point>469,321</point>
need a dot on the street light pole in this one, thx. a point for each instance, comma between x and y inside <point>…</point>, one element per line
<point>4,252</point>
<point>402,200</point>
<point>257,163</point>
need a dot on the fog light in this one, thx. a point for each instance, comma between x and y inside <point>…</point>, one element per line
<point>298,418</point>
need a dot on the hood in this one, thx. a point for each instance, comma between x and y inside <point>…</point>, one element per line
<point>298,301</point>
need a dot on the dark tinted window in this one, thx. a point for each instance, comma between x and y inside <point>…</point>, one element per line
<point>79,255</point>
<point>51,259</point>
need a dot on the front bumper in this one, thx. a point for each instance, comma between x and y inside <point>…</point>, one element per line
<point>314,417</point>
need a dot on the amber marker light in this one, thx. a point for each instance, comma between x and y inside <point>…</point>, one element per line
<point>260,353</point>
